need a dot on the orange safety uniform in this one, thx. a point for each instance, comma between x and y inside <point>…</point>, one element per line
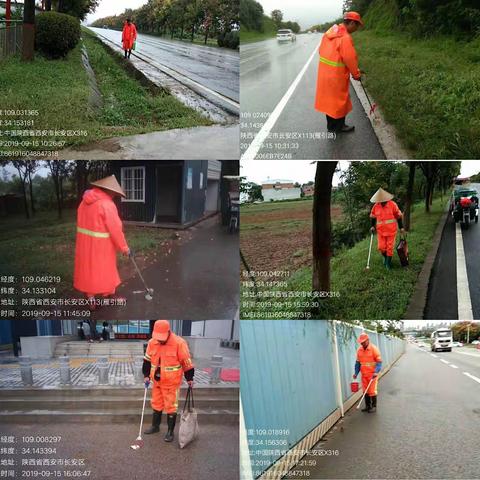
<point>386,226</point>
<point>173,358</point>
<point>99,237</point>
<point>368,359</point>
<point>129,35</point>
<point>338,59</point>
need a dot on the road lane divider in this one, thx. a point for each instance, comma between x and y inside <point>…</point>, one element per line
<point>473,377</point>
<point>257,142</point>
<point>433,355</point>
<point>444,361</point>
<point>453,366</point>
<point>464,302</point>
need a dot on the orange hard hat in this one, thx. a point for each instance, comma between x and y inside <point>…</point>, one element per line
<point>362,338</point>
<point>353,16</point>
<point>161,329</point>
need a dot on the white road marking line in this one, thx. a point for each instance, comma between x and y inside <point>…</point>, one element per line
<point>257,142</point>
<point>433,355</point>
<point>465,311</point>
<point>444,361</point>
<point>453,366</point>
<point>473,377</point>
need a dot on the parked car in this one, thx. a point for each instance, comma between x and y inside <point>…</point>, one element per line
<point>475,342</point>
<point>457,344</point>
<point>286,35</point>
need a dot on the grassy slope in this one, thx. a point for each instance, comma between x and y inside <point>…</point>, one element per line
<point>59,90</point>
<point>269,31</point>
<point>378,294</point>
<point>428,89</point>
<point>45,244</point>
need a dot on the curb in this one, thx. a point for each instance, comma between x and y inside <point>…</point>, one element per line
<point>386,134</point>
<point>418,301</point>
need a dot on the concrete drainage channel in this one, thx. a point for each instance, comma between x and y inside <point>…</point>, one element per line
<point>214,405</point>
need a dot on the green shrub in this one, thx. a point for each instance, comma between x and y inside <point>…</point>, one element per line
<point>229,40</point>
<point>56,34</point>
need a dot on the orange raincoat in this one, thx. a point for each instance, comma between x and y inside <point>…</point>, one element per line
<point>368,358</point>
<point>338,59</point>
<point>99,237</point>
<point>386,226</point>
<point>129,35</point>
<point>174,359</point>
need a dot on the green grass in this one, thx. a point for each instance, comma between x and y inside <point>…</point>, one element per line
<point>46,245</point>
<point>59,90</point>
<point>428,89</point>
<point>269,30</point>
<point>376,294</point>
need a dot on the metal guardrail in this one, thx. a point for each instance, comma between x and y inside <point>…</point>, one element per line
<point>11,38</point>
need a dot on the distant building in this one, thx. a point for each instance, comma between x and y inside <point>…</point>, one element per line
<point>280,190</point>
<point>308,190</point>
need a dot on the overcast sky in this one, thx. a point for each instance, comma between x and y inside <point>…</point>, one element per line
<point>305,12</point>
<point>113,7</point>
<point>303,171</point>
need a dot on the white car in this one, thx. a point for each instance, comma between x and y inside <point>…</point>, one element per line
<point>457,344</point>
<point>475,342</point>
<point>286,35</point>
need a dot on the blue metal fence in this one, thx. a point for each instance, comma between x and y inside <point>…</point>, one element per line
<point>289,379</point>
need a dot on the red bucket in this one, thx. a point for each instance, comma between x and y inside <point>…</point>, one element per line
<point>354,387</point>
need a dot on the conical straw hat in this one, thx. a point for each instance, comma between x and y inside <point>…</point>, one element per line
<point>109,183</point>
<point>380,196</point>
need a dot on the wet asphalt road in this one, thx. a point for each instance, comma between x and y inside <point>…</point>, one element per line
<point>267,71</point>
<point>442,303</point>
<point>215,68</point>
<point>426,425</point>
<point>198,280</point>
<point>107,453</point>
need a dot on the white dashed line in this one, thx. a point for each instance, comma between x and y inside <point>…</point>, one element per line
<point>464,301</point>
<point>433,355</point>
<point>473,377</point>
<point>453,366</point>
<point>444,361</point>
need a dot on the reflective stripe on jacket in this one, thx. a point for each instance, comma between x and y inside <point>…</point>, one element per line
<point>387,216</point>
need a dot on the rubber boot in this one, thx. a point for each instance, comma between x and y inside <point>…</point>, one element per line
<point>156,419</point>
<point>374,404</point>
<point>368,404</point>
<point>126,54</point>
<point>389,263</point>
<point>384,259</point>
<point>171,419</point>
<point>347,128</point>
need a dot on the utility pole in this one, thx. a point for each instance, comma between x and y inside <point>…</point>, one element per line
<point>468,333</point>
<point>8,13</point>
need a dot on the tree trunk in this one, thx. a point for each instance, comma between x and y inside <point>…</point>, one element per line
<point>48,5</point>
<point>409,198</point>
<point>322,227</point>
<point>57,194</point>
<point>193,32</point>
<point>32,202</point>
<point>206,35</point>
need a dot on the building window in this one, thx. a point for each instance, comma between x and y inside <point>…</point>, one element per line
<point>133,184</point>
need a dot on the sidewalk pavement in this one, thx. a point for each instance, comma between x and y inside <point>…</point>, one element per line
<point>106,449</point>
<point>217,142</point>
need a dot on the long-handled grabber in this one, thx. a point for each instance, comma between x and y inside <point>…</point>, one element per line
<point>139,441</point>
<point>366,390</point>
<point>369,252</point>
<point>149,291</point>
<point>373,106</point>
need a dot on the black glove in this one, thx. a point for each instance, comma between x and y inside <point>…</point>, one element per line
<point>147,366</point>
<point>189,374</point>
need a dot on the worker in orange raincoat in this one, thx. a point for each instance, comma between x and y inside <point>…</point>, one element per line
<point>369,364</point>
<point>129,35</point>
<point>167,357</point>
<point>385,216</point>
<point>99,238</point>
<point>338,60</point>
